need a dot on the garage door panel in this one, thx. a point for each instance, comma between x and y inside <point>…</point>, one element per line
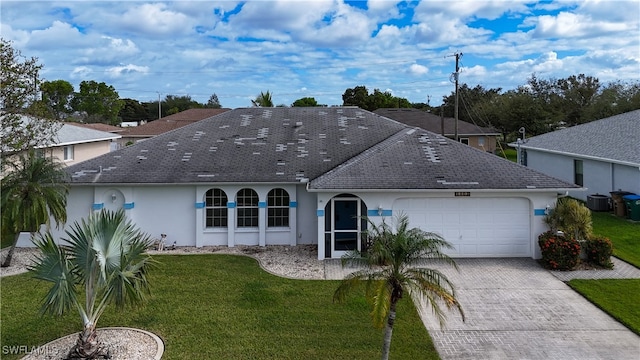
<point>483,227</point>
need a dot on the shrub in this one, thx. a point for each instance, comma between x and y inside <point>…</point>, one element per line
<point>599,251</point>
<point>570,216</point>
<point>558,252</point>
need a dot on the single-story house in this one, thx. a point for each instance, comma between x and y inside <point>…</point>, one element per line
<point>74,143</point>
<point>288,176</point>
<point>481,138</point>
<point>601,156</point>
<point>133,134</point>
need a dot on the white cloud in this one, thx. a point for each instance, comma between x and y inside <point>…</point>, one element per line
<point>417,69</point>
<point>81,73</point>
<point>58,35</point>
<point>118,71</point>
<point>155,20</point>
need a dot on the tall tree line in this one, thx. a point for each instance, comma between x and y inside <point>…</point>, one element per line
<point>543,105</point>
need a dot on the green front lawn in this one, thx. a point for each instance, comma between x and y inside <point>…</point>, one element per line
<point>620,298</point>
<point>624,234</point>
<point>226,307</point>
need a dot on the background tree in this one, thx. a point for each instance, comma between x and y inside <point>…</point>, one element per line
<point>56,95</point>
<point>360,97</point>
<point>133,110</point>
<point>178,103</point>
<point>213,102</point>
<point>393,267</point>
<point>99,101</point>
<point>33,192</point>
<point>19,79</point>
<point>263,100</point>
<point>103,262</point>
<point>577,93</point>
<point>357,96</point>
<point>305,102</point>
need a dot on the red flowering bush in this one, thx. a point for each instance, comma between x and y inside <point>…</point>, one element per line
<point>558,252</point>
<point>599,251</point>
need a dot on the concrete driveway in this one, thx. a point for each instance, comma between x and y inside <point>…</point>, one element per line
<point>517,310</point>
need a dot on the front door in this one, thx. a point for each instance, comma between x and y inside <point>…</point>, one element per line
<point>345,229</point>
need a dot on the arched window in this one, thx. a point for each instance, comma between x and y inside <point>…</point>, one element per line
<point>278,208</point>
<point>215,203</point>
<point>247,208</point>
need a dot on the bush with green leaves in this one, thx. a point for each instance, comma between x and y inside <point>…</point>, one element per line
<point>599,251</point>
<point>559,252</point>
<point>571,217</point>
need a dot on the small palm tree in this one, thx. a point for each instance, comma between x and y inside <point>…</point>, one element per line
<point>34,191</point>
<point>263,100</point>
<point>104,261</point>
<point>392,268</point>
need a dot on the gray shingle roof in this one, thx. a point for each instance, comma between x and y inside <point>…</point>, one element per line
<point>70,134</point>
<point>616,138</point>
<point>332,147</point>
<point>417,159</point>
<point>433,122</point>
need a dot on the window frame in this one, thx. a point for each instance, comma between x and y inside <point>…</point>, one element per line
<point>278,213</point>
<point>65,152</point>
<point>578,172</point>
<point>216,210</point>
<point>247,208</point>
<point>464,140</point>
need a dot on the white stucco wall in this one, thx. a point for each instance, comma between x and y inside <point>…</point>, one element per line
<point>600,177</point>
<point>538,202</point>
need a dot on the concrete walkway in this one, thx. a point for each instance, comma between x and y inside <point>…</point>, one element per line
<point>515,309</point>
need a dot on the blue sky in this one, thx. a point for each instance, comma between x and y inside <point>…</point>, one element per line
<point>320,48</point>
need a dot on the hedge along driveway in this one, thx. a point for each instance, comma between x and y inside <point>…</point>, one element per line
<point>226,307</point>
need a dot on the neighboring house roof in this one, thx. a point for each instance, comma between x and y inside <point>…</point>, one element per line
<point>433,123</point>
<point>335,147</point>
<point>70,134</point>
<point>99,127</point>
<point>614,139</point>
<point>171,122</point>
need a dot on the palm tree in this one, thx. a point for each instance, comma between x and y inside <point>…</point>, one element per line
<point>103,261</point>
<point>34,191</point>
<point>392,268</point>
<point>263,100</point>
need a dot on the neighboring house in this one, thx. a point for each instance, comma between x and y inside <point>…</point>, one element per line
<point>76,144</point>
<point>133,134</point>
<point>103,127</point>
<point>288,176</point>
<point>602,155</point>
<point>478,137</point>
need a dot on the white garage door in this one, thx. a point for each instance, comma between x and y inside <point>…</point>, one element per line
<point>477,227</point>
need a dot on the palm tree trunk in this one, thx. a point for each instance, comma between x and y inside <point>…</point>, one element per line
<point>388,330</point>
<point>7,260</point>
<point>88,346</point>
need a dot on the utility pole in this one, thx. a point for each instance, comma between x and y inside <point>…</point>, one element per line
<point>159,107</point>
<point>455,111</point>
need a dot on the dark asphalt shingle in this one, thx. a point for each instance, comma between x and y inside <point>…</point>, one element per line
<point>332,147</point>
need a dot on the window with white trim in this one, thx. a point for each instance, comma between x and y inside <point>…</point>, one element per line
<point>215,204</point>
<point>68,152</point>
<point>278,208</point>
<point>247,208</point>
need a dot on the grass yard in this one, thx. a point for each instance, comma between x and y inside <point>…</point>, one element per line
<point>226,307</point>
<point>624,234</point>
<point>620,298</point>
<point>509,154</point>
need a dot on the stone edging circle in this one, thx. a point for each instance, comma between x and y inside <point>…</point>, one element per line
<point>43,350</point>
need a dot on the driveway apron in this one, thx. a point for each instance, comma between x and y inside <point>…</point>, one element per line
<point>517,310</point>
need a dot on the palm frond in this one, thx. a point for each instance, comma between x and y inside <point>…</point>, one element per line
<point>53,266</point>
